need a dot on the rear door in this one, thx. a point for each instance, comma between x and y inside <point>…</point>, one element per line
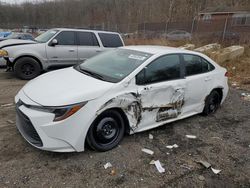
<point>87,45</point>
<point>199,82</point>
<point>65,52</point>
<point>162,91</point>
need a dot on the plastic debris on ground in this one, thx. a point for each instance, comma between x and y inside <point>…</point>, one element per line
<point>108,165</point>
<point>215,170</point>
<point>204,163</point>
<point>159,167</point>
<point>7,105</point>
<point>191,136</point>
<point>151,137</point>
<point>10,121</point>
<point>148,151</point>
<point>172,146</point>
<point>187,166</point>
<point>152,162</point>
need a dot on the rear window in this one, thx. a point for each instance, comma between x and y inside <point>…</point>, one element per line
<point>110,40</point>
<point>87,39</point>
<point>196,65</point>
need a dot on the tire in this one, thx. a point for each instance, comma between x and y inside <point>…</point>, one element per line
<point>27,68</point>
<point>106,132</point>
<point>212,103</point>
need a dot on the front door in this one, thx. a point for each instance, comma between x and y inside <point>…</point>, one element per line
<point>65,52</point>
<point>162,93</point>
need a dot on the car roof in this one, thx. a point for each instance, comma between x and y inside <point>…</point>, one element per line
<point>89,30</point>
<point>153,49</point>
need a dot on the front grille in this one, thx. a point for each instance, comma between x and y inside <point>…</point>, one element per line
<point>27,129</point>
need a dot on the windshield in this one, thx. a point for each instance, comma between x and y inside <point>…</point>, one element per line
<point>45,37</point>
<point>113,65</point>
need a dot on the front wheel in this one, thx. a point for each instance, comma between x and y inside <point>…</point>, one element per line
<point>106,132</point>
<point>212,103</point>
<point>27,68</point>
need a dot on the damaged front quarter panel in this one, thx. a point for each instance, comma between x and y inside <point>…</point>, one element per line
<point>130,104</point>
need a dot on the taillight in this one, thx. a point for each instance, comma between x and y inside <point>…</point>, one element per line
<point>226,74</point>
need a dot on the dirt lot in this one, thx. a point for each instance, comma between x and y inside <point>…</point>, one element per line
<point>223,140</point>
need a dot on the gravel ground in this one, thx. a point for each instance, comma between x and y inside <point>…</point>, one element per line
<point>223,139</point>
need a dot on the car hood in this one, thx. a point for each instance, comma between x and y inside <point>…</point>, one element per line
<point>65,87</point>
<point>15,42</point>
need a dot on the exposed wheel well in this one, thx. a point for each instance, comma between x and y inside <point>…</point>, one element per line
<point>29,57</point>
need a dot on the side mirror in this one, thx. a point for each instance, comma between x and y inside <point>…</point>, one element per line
<point>54,42</point>
<point>141,77</point>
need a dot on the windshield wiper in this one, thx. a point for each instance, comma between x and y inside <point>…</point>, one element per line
<point>93,74</point>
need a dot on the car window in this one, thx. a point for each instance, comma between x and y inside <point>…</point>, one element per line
<point>110,40</point>
<point>163,69</point>
<point>29,37</point>
<point>87,39</point>
<point>66,38</point>
<point>196,65</point>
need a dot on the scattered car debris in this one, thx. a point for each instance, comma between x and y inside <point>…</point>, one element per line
<point>107,165</point>
<point>191,136</point>
<point>152,162</point>
<point>201,178</point>
<point>148,151</point>
<point>187,166</point>
<point>172,146</point>
<point>10,121</point>
<point>208,165</point>
<point>215,171</point>
<point>151,137</point>
<point>204,163</point>
<point>7,105</point>
<point>159,166</point>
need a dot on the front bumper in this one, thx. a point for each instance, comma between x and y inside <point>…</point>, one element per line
<point>39,129</point>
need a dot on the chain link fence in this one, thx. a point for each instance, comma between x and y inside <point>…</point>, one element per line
<point>219,28</point>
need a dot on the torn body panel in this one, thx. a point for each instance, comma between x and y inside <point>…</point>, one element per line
<point>149,107</point>
<point>129,103</point>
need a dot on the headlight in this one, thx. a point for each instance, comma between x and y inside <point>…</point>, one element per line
<point>3,53</point>
<point>61,113</point>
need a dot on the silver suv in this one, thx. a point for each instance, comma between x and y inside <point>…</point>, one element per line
<point>57,48</point>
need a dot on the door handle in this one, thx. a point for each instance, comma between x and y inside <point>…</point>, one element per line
<point>98,50</point>
<point>71,50</point>
<point>147,88</point>
<point>208,79</point>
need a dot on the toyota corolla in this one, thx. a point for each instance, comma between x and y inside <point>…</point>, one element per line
<point>126,90</point>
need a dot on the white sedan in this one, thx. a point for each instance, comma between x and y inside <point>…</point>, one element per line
<point>126,90</point>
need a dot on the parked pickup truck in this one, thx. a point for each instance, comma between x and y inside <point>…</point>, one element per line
<point>56,48</point>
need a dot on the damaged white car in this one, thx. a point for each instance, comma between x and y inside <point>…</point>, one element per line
<point>126,90</point>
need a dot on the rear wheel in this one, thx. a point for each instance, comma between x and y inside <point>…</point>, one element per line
<point>106,132</point>
<point>27,68</point>
<point>212,103</point>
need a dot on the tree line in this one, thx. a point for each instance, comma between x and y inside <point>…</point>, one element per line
<point>84,13</point>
